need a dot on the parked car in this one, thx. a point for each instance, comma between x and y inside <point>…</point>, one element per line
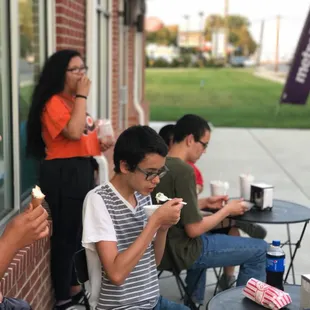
<point>241,61</point>
<point>237,61</point>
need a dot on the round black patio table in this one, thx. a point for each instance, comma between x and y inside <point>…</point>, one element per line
<point>283,212</point>
<point>233,299</point>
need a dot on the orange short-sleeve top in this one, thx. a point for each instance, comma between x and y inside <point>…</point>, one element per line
<point>55,117</point>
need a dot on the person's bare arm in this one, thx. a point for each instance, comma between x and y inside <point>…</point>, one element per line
<point>106,143</point>
<point>199,188</point>
<point>233,208</point>
<point>76,125</point>
<point>212,202</point>
<point>202,203</point>
<point>160,244</point>
<point>118,265</point>
<point>23,230</point>
<point>207,223</point>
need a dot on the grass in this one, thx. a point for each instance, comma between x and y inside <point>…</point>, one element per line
<point>229,98</point>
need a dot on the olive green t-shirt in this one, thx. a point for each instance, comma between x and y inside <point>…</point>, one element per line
<point>179,182</point>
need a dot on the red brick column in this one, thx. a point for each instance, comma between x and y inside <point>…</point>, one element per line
<point>71,25</point>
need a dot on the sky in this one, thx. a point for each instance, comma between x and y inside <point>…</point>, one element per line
<point>293,14</point>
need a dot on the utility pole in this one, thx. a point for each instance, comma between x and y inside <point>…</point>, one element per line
<point>186,17</point>
<point>276,64</point>
<point>201,14</point>
<point>226,8</point>
<point>260,48</point>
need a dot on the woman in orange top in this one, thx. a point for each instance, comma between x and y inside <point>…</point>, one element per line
<point>64,137</point>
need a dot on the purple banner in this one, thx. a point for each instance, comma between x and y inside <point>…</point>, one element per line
<point>297,85</point>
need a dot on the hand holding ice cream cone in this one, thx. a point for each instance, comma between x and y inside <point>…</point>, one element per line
<point>37,197</point>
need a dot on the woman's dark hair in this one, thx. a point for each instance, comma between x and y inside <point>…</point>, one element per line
<point>167,133</point>
<point>51,82</point>
<point>134,144</point>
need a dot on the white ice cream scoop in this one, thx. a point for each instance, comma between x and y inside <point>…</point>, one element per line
<point>160,197</point>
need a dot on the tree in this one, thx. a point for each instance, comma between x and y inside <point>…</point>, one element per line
<point>239,34</point>
<point>26,27</point>
<point>164,36</point>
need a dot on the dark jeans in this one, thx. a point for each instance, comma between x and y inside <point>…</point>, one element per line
<point>220,250</point>
<point>165,304</point>
<point>14,304</point>
<point>65,182</point>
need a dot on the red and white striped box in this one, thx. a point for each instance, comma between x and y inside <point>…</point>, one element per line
<point>266,295</point>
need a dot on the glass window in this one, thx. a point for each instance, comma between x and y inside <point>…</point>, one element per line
<point>32,55</point>
<point>6,169</point>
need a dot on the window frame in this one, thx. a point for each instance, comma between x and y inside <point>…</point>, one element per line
<point>7,124</point>
<point>15,49</point>
<point>11,91</point>
<point>103,72</point>
<point>43,50</point>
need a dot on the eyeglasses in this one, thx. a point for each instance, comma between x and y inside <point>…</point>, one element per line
<point>78,70</point>
<point>149,176</point>
<point>204,144</point>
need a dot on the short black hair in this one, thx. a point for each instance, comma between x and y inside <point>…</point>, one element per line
<point>190,124</point>
<point>134,144</point>
<point>167,133</point>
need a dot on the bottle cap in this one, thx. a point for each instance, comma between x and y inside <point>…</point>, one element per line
<point>276,243</point>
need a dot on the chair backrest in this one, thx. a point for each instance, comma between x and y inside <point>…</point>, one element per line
<point>80,265</point>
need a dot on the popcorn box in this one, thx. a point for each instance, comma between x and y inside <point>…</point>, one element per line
<point>266,295</point>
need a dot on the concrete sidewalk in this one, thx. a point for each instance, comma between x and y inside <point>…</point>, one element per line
<point>277,157</point>
<point>270,75</point>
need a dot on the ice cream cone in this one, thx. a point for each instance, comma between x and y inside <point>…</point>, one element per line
<point>37,196</point>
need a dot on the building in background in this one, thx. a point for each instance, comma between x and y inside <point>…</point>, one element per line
<point>156,51</point>
<point>109,34</point>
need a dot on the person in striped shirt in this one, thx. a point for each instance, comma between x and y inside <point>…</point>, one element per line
<point>130,246</point>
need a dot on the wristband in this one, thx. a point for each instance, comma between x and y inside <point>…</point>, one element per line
<point>80,96</point>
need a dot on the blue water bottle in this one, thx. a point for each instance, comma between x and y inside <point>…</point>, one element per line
<point>275,265</point>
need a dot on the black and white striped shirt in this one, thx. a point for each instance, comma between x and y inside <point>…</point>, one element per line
<point>140,290</point>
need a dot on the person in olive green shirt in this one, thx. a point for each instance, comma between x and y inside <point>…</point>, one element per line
<point>193,249</point>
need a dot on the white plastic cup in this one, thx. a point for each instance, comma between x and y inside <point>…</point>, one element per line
<point>219,188</point>
<point>245,186</point>
<point>105,129</point>
<point>150,209</point>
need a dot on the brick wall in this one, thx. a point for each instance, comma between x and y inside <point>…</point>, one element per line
<point>71,24</point>
<point>28,276</point>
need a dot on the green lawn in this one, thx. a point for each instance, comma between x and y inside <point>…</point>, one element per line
<point>230,97</point>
